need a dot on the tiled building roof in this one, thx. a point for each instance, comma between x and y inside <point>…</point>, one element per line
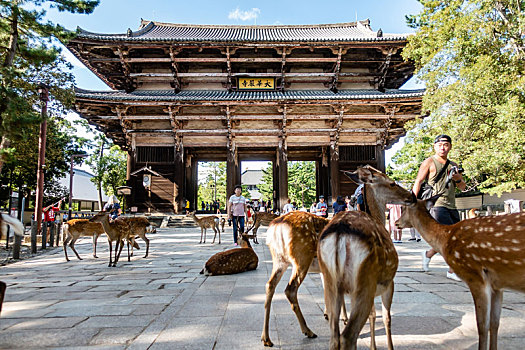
<point>224,95</point>
<point>171,32</point>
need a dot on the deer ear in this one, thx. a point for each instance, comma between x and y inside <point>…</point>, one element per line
<point>360,176</point>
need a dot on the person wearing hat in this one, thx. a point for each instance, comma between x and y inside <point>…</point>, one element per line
<point>322,208</point>
<point>444,211</point>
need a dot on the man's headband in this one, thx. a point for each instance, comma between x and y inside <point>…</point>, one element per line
<point>443,138</point>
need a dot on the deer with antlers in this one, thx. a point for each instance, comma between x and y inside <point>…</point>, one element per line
<point>205,223</point>
<point>485,252</point>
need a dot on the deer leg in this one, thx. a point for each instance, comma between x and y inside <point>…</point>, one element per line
<point>481,292</point>
<point>279,267</point>
<point>372,319</point>
<point>145,239</point>
<point>120,251</point>
<point>297,278</point>
<point>386,299</point>
<point>333,299</point>
<point>215,235</point>
<point>344,315</point>
<point>111,252</point>
<point>255,228</point>
<point>65,247</point>
<point>72,245</point>
<point>129,256</point>
<point>362,302</point>
<point>95,237</point>
<point>495,313</point>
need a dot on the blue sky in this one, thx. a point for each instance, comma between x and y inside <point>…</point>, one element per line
<point>116,16</point>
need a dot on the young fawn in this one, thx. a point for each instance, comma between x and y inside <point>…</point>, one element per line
<point>75,228</point>
<point>485,252</point>
<point>139,227</point>
<point>232,261</point>
<point>117,230</point>
<point>205,223</point>
<point>357,257</point>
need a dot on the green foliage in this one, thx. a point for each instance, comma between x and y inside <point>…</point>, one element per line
<point>470,54</point>
<point>21,164</point>
<point>301,183</point>
<point>29,55</point>
<point>110,168</point>
<point>266,185</point>
<point>215,174</point>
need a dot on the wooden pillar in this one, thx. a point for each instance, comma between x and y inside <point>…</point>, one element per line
<point>323,176</point>
<point>275,178</point>
<point>380,157</point>
<point>283,179</point>
<point>189,181</point>
<point>130,167</point>
<point>178,185</point>
<point>233,174</point>
<point>334,176</point>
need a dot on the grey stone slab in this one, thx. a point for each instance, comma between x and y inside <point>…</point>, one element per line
<point>163,299</point>
<point>189,333</point>
<point>112,336</point>
<point>417,297</point>
<point>116,321</point>
<point>47,323</point>
<point>149,309</point>
<point>104,310</point>
<point>38,339</point>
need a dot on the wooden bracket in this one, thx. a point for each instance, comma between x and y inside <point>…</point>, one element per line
<point>126,69</point>
<point>175,70</point>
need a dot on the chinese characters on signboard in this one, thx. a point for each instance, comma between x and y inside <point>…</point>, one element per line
<point>256,84</point>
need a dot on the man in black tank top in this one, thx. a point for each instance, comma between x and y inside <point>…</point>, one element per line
<point>444,211</point>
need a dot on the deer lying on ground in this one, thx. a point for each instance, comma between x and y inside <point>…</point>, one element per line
<point>232,261</point>
<point>260,218</point>
<point>485,252</point>
<point>75,228</point>
<point>139,227</point>
<point>205,223</point>
<point>357,257</point>
<point>18,228</point>
<point>117,230</point>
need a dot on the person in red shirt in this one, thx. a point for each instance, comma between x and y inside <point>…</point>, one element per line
<point>49,215</point>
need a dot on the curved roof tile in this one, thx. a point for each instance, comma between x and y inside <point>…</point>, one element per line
<point>338,32</point>
<point>223,95</point>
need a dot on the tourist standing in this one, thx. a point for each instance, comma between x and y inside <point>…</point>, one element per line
<point>339,205</point>
<point>113,207</point>
<point>237,210</point>
<point>444,211</point>
<point>288,207</point>
<point>321,209</point>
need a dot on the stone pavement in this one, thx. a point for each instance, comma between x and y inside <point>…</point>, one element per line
<point>162,302</point>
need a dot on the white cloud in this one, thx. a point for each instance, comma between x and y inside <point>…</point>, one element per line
<point>238,14</point>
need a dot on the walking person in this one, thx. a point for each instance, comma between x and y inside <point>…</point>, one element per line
<point>322,208</point>
<point>394,215</point>
<point>414,235</point>
<point>339,205</point>
<point>288,207</point>
<point>237,208</point>
<point>113,207</point>
<point>444,211</point>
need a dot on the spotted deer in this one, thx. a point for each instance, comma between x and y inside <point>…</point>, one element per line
<point>357,257</point>
<point>139,227</point>
<point>76,228</point>
<point>232,261</point>
<point>116,230</point>
<point>486,252</point>
<point>260,218</point>
<point>205,223</point>
<point>222,222</point>
<point>292,239</point>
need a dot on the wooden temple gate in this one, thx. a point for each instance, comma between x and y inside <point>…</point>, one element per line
<point>189,93</point>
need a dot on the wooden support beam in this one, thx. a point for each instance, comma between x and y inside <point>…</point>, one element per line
<point>124,124</point>
<point>254,75</point>
<point>125,68</point>
<point>175,70</point>
<point>229,84</point>
<point>337,70</point>
<point>102,59</point>
<point>383,70</point>
<point>283,64</point>
<point>176,126</point>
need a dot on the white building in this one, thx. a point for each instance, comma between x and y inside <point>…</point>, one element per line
<point>84,191</point>
<point>251,179</point>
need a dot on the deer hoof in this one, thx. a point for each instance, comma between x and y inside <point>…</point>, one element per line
<point>310,334</point>
<point>267,343</point>
<point>326,317</point>
<point>96,257</point>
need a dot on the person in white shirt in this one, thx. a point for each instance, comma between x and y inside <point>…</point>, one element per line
<point>288,207</point>
<point>237,208</point>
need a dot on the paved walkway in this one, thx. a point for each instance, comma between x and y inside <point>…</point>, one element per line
<point>162,302</point>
